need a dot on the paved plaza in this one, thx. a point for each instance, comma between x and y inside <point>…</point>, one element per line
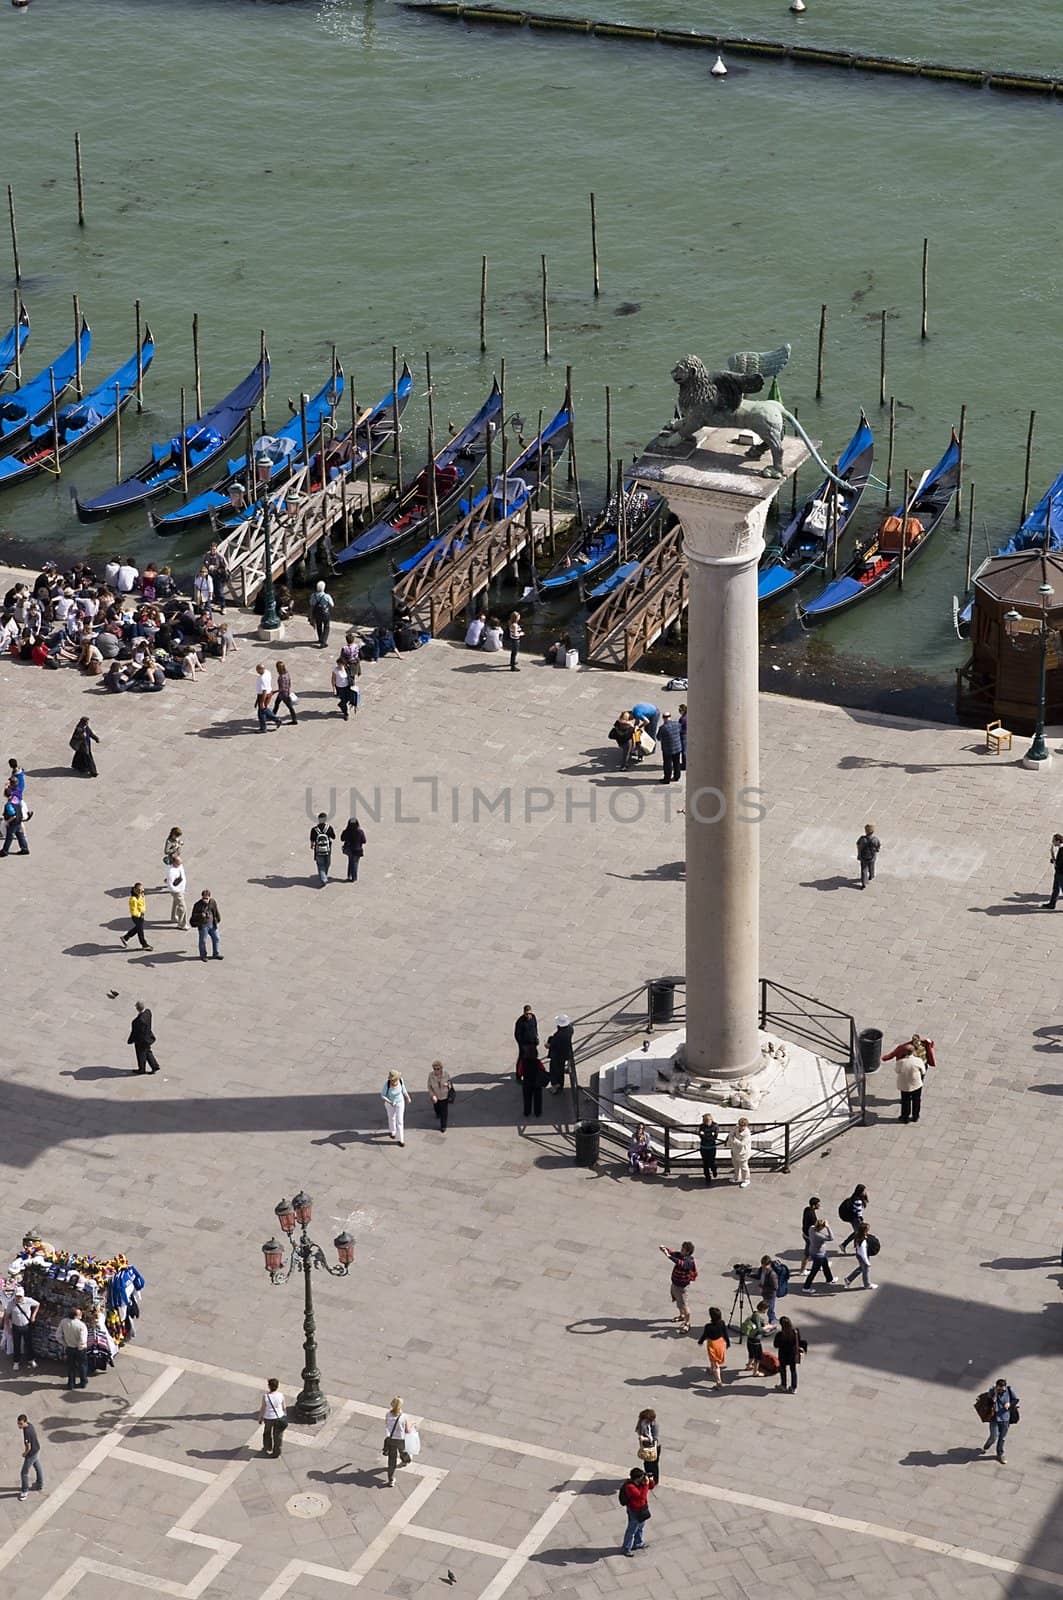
<point>517,1302</point>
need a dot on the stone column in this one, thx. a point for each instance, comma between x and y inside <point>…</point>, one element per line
<point>722,502</point>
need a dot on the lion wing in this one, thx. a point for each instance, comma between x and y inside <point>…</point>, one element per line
<point>766,364</point>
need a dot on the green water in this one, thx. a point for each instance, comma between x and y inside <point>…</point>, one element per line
<point>333,172</point>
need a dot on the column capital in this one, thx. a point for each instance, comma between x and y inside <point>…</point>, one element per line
<point>719,495</point>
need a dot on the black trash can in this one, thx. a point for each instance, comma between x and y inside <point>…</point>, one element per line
<point>662,999</point>
<point>588,1143</point>
<point>869,1047</point>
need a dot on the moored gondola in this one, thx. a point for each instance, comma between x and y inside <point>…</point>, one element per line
<point>454,467</point>
<point>636,515</point>
<point>806,543</point>
<point>20,409</point>
<point>198,446</point>
<point>875,565</point>
<point>12,342</point>
<point>77,424</point>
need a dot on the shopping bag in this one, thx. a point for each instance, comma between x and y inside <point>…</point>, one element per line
<point>413,1442</point>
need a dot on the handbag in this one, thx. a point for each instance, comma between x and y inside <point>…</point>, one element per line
<point>413,1442</point>
<point>643,1514</point>
<point>647,1452</point>
<point>452,1095</point>
<point>984,1407</point>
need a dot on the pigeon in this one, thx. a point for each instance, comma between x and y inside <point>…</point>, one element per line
<point>112,994</point>
<point>450,1578</point>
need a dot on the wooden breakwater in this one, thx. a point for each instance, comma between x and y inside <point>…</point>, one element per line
<point>742,45</point>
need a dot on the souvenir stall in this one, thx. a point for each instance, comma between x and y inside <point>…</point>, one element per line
<point>107,1291</point>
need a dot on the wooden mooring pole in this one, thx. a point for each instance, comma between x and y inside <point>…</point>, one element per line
<point>117,433</point>
<point>184,447</point>
<point>18,342</point>
<point>14,234</point>
<point>546,309</point>
<point>970,539</point>
<point>889,453</point>
<point>962,435</point>
<point>819,351</point>
<point>78,387</point>
<point>79,178</point>
<point>594,246</point>
<point>608,436</point>
<point>483,304</point>
<point>926,262</point>
<point>882,361</point>
<point>1026,471</point>
<point>140,356</point>
<point>195,364</point>
<point>904,527</point>
<point>395,415</point>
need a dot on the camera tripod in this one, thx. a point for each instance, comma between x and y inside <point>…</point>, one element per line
<point>742,1298</point>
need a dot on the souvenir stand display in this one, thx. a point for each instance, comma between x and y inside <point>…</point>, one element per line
<point>107,1292</point>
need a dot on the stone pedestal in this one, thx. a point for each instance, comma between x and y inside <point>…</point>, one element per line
<point>722,501</point>
<point>270,635</point>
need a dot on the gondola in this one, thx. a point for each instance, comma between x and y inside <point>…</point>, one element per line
<point>616,579</point>
<point>12,342</point>
<point>340,458</point>
<point>199,446</point>
<point>78,424</point>
<point>523,482</point>
<point>806,542</point>
<point>455,466</point>
<point>285,448</point>
<point>875,566</point>
<point>20,409</point>
<point>600,545</point>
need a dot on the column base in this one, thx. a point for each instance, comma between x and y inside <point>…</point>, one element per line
<point>1032,764</point>
<point>270,635</point>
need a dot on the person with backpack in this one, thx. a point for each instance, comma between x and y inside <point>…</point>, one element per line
<point>321,604</point>
<point>852,1211</point>
<point>684,1273</point>
<point>999,1406</point>
<point>862,1235</point>
<point>634,1497</point>
<point>769,1285</point>
<point>867,848</point>
<point>206,919</point>
<point>322,838</point>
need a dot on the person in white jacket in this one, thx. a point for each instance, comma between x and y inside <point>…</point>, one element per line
<point>177,883</point>
<point>741,1150</point>
<point>910,1075</point>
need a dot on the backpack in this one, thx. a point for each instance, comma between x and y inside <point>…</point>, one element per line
<point>319,602</point>
<point>622,1495</point>
<point>322,842</point>
<point>874,1245</point>
<point>782,1272</point>
<point>845,1210</point>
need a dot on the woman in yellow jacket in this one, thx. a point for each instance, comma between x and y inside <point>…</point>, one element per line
<point>138,910</point>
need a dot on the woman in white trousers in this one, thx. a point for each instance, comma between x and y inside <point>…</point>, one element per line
<point>741,1149</point>
<point>396,1099</point>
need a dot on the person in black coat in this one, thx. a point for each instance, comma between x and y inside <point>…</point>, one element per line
<point>559,1052</point>
<point>352,842</point>
<point>526,1033</point>
<point>142,1038</point>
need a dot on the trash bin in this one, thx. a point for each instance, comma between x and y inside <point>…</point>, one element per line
<point>588,1143</point>
<point>869,1049</point>
<point>662,999</point>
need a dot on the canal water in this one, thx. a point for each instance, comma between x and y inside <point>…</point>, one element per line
<point>333,170</point>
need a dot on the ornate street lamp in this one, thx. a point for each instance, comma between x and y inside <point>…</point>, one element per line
<point>1020,637</point>
<point>270,620</point>
<point>311,1405</point>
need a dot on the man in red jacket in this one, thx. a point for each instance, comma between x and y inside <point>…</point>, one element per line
<point>634,1497</point>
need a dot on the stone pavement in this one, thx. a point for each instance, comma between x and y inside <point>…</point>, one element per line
<point>517,1302</point>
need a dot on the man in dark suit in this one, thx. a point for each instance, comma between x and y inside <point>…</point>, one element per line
<point>142,1039</point>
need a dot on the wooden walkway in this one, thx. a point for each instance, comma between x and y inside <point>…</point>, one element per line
<point>475,554</point>
<point>627,623</point>
<point>299,520</point>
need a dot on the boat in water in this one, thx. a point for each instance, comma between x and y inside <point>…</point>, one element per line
<point>454,468</point>
<point>198,446</point>
<point>77,424</point>
<point>807,542</point>
<point>876,565</point>
<point>12,343</point>
<point>20,409</point>
<point>229,501</point>
<point>635,512</point>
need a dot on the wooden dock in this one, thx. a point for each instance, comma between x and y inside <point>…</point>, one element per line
<point>476,554</point>
<point>628,622</point>
<point>299,520</point>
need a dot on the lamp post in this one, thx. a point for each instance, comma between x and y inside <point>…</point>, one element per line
<point>1038,756</point>
<point>270,626</point>
<point>311,1405</point>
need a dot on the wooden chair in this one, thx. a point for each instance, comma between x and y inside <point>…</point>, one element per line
<point>997,738</point>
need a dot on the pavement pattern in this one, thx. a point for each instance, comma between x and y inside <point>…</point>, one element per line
<point>517,1302</point>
